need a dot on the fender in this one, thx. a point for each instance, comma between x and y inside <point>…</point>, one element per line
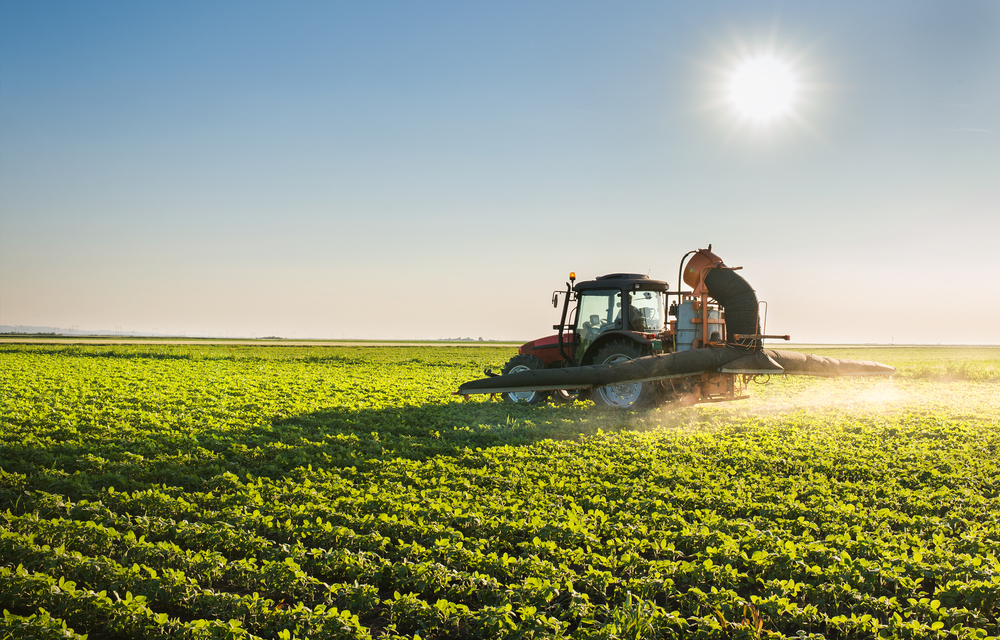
<point>608,336</point>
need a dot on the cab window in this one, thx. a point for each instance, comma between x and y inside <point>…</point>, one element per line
<point>646,311</point>
<point>600,311</point>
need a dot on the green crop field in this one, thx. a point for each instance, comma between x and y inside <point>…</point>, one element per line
<point>195,491</point>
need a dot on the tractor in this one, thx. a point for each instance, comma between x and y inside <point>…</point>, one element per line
<point>621,344</point>
<point>596,331</point>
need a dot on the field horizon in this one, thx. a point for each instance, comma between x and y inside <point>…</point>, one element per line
<point>40,338</point>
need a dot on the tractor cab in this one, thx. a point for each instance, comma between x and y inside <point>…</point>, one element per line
<point>627,305</point>
<point>622,307</point>
<point>620,316</point>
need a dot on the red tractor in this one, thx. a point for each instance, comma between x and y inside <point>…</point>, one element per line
<point>616,346</point>
<point>598,332</point>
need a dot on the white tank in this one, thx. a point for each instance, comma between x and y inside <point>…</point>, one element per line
<point>687,331</point>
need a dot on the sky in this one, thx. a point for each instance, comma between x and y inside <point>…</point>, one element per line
<point>428,170</point>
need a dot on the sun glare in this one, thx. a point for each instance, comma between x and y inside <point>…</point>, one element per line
<point>762,89</point>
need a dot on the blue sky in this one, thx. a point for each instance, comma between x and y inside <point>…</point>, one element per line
<point>423,170</point>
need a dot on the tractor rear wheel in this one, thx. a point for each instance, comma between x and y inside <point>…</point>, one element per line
<point>524,362</point>
<point>627,395</point>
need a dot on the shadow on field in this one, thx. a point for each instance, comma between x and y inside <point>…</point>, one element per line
<point>340,437</point>
<point>345,437</point>
<point>83,465</point>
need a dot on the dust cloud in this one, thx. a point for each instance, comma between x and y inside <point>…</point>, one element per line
<point>872,394</point>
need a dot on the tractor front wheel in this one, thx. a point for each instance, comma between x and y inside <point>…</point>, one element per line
<point>627,395</point>
<point>524,362</point>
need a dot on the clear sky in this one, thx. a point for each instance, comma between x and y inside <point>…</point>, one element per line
<point>435,169</point>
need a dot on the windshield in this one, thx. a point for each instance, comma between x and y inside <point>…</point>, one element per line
<point>600,311</point>
<point>646,311</point>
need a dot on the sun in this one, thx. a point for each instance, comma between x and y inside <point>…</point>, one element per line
<point>762,89</point>
<point>766,88</point>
